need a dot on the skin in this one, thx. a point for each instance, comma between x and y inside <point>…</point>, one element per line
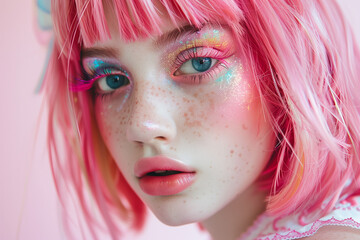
<point>335,233</point>
<point>216,127</point>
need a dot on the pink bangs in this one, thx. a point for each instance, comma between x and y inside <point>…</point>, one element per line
<point>87,22</point>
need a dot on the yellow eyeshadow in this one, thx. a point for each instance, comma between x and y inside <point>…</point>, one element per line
<point>209,42</point>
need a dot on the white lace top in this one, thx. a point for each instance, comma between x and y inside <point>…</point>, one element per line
<point>345,213</point>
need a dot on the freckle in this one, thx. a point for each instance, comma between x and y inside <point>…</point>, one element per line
<point>184,201</point>
<point>226,126</point>
<point>247,163</point>
<point>240,155</point>
<point>185,114</point>
<point>244,127</point>
<point>232,151</point>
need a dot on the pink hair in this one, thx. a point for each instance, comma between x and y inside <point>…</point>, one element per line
<point>304,60</point>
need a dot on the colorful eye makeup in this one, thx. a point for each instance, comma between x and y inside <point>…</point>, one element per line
<point>200,58</point>
<point>103,75</point>
<point>197,58</point>
<point>199,65</point>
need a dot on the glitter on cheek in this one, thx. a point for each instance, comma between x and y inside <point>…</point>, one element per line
<point>236,87</point>
<point>126,97</point>
<point>226,77</point>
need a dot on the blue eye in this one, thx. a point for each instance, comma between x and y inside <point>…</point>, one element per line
<point>201,64</point>
<point>116,81</point>
<point>195,65</point>
<point>112,82</point>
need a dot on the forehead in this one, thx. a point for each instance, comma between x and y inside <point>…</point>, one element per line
<point>133,19</point>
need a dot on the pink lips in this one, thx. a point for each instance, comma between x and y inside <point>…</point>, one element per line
<point>160,176</point>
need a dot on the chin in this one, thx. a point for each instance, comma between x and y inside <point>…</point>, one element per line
<point>173,218</point>
<point>174,222</point>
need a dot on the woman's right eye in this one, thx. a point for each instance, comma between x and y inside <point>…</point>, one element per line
<point>112,82</point>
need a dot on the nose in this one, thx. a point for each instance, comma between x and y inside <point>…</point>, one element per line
<point>150,117</point>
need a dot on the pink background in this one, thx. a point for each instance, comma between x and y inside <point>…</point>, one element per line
<point>28,202</point>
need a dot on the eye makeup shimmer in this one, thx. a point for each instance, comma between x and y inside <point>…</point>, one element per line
<point>211,39</point>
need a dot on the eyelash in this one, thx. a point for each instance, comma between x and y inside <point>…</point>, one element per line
<point>90,80</point>
<point>200,52</point>
<point>87,83</point>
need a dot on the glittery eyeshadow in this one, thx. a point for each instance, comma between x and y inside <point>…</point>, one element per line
<point>205,38</point>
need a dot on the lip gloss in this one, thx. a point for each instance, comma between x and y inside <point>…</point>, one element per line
<point>166,185</point>
<point>159,176</point>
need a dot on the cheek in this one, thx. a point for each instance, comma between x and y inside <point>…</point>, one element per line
<point>112,125</point>
<point>111,122</point>
<point>234,109</point>
<point>241,139</point>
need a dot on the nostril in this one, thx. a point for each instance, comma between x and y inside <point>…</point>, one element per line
<point>160,138</point>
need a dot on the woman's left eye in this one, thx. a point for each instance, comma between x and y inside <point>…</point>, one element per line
<point>196,65</point>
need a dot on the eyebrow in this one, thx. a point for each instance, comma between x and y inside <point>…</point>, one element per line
<point>99,52</point>
<point>176,34</point>
<point>160,41</point>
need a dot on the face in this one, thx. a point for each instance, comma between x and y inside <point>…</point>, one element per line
<point>181,117</point>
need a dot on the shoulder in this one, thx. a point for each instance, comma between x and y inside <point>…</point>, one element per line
<point>335,233</point>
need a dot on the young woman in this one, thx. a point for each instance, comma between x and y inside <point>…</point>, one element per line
<point>240,115</point>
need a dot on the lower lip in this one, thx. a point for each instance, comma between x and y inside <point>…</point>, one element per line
<point>166,185</point>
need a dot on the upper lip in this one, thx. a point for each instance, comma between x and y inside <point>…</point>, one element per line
<point>159,163</point>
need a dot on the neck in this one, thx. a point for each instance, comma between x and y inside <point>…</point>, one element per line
<point>237,216</point>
